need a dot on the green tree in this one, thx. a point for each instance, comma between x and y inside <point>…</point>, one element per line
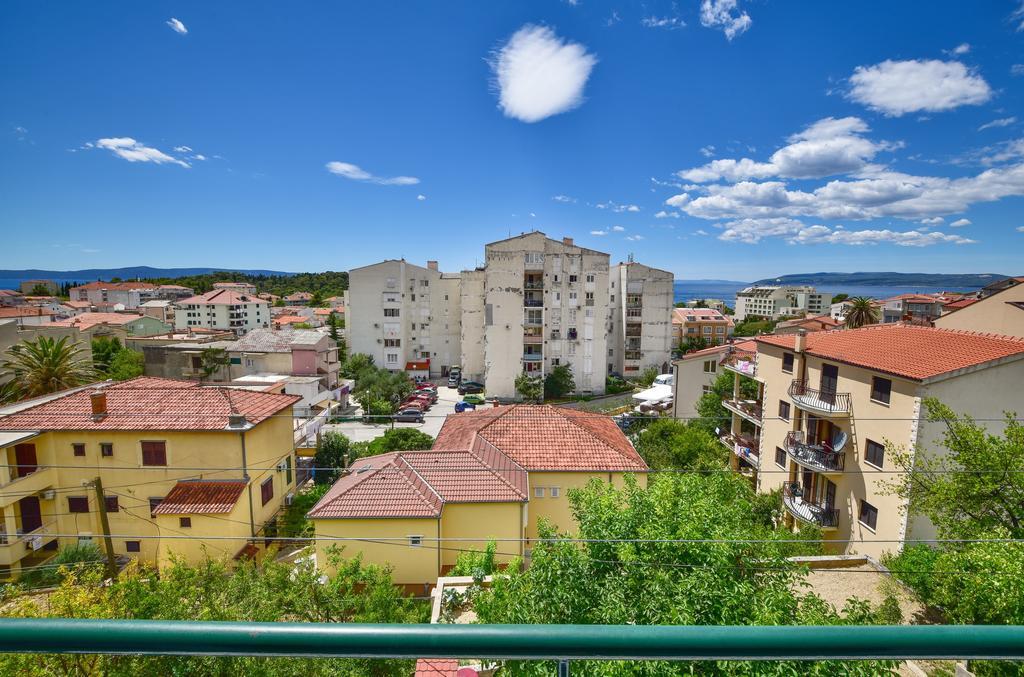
<point>279,303</point>
<point>126,364</point>
<point>356,363</point>
<point>672,576</point>
<point>559,382</point>
<point>212,361</point>
<point>692,344</point>
<point>753,325</point>
<point>378,391</point>
<point>316,298</point>
<point>647,376</point>
<point>104,348</point>
<point>10,391</point>
<point>47,365</point>
<point>39,290</point>
<point>712,413</point>
<point>334,324</point>
<point>839,298</point>
<point>671,444</point>
<point>332,454</point>
<point>530,387</point>
<point>861,312</point>
<point>399,439</point>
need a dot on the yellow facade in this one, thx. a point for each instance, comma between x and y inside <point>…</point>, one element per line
<point>483,521</point>
<point>389,542</point>
<point>556,509</point>
<point>62,475</point>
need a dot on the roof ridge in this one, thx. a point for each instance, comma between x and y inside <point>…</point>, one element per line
<point>589,432</point>
<point>407,467</point>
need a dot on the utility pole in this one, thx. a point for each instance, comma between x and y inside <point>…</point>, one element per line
<point>101,501</point>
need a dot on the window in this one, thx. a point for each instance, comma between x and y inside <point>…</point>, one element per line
<point>868,515</point>
<point>590,277</point>
<point>106,449</point>
<point>780,457</point>
<point>78,448</point>
<point>875,453</point>
<point>415,541</point>
<point>391,357</point>
<point>784,410</point>
<point>881,389</point>
<point>78,504</point>
<point>710,366</point>
<point>133,546</point>
<point>111,503</point>
<point>573,278</point>
<point>787,362</point>
<point>538,492</point>
<point>391,312</point>
<point>706,389</point>
<point>154,453</point>
<point>719,330</point>
<point>555,491</point>
<point>288,470</point>
<point>392,343</point>
<point>154,501</point>
<point>267,490</point>
<point>185,522</point>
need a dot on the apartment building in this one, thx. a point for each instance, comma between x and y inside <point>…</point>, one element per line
<point>125,295</point>
<point>485,477</point>
<point>222,309</point>
<point>174,458</point>
<point>775,301</point>
<point>832,407</point>
<point>26,315</point>
<point>1000,310</point>
<point>641,299</point>
<point>695,373</point>
<point>238,287</point>
<point>400,313</point>
<point>29,286</point>
<point>706,323</point>
<point>133,324</point>
<point>917,308</point>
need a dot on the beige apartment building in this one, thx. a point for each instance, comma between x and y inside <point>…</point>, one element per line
<point>641,300</point>
<point>712,325</point>
<point>1000,310</point>
<point>400,313</point>
<point>222,309</point>
<point>775,301</point>
<point>832,407</point>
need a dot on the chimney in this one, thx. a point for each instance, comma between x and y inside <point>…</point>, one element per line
<point>99,405</point>
<point>801,341</point>
<point>432,265</point>
<point>567,241</point>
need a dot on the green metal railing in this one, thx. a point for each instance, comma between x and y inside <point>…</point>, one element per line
<point>526,642</point>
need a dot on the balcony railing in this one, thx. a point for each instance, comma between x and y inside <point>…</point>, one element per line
<point>744,446</point>
<point>634,355</point>
<point>748,409</point>
<point>821,401</point>
<point>825,516</point>
<point>633,331</point>
<point>530,322</point>
<point>533,303</point>
<point>813,456</point>
<point>532,339</point>
<point>532,357</point>
<point>533,285</point>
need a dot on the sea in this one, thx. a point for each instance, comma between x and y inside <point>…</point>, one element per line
<point>687,290</point>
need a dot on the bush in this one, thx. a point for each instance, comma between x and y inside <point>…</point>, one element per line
<point>294,523</point>
<point>332,451</point>
<point>71,558</point>
<point>475,563</point>
<point>559,382</point>
<point>647,376</point>
<point>614,385</point>
<point>915,566</point>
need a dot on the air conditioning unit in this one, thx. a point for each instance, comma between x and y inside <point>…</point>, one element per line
<point>48,494</point>
<point>289,498</point>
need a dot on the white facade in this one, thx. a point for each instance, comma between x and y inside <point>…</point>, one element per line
<point>774,301</point>
<point>398,312</point>
<point>224,310</point>
<point>641,301</point>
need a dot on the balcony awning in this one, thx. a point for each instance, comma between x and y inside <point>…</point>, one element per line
<point>9,439</point>
<point>657,392</point>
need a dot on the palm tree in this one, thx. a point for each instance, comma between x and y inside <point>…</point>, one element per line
<point>861,312</point>
<point>9,392</point>
<point>48,365</point>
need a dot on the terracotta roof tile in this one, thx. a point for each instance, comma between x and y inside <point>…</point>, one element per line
<point>437,667</point>
<point>119,286</point>
<point>911,352</point>
<point>196,497</point>
<point>86,320</point>
<point>378,487</point>
<point>24,311</point>
<point>222,296</point>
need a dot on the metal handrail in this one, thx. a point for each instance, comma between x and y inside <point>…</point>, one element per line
<point>817,457</point>
<point>523,642</point>
<point>827,401</point>
<point>816,513</point>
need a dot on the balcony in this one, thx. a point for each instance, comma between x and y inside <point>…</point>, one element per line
<point>814,456</point>
<point>533,284</point>
<point>634,330</point>
<point>572,335</point>
<point>824,516</point>
<point>28,484</point>
<point>533,321</point>
<point>533,336</point>
<point>747,409</point>
<point>533,303</point>
<point>15,548</point>
<point>819,401</point>
<point>532,357</point>
<point>744,366</point>
<point>746,447</point>
<point>634,355</point>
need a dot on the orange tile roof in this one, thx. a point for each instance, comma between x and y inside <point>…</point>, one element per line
<point>119,286</point>
<point>825,322</point>
<point>199,497</point>
<point>747,346</point>
<point>223,296</point>
<point>437,667</point>
<point>959,303</point>
<point>87,320</point>
<point>24,311</point>
<point>290,319</point>
<point>679,316</point>
<point>912,352</point>
<point>151,404</point>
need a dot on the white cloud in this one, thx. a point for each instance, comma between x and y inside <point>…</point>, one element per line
<point>613,19</point>
<point>356,173</point>
<point>182,149</point>
<point>133,151</point>
<point>199,156</point>
<point>618,229</point>
<point>960,49</point>
<point>827,147</point>
<point>666,215</point>
<point>1017,16</point>
<point>960,223</point>
<point>1001,122</point>
<point>421,197</point>
<point>176,26</point>
<point>667,22</point>
<point>909,238</point>
<point>708,151</point>
<point>1020,229</point>
<point>725,15</point>
<point>678,200</point>
<point>617,208</point>
<point>564,199</point>
<point>599,232</point>
<point>634,238</point>
<point>89,250</point>
<point>539,74</point>
<point>1017,70</point>
<point>895,88</point>
<point>701,231</point>
<point>933,221</point>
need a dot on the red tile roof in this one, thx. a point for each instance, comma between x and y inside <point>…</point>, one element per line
<point>911,352</point>
<point>437,667</point>
<point>151,404</point>
<point>119,286</point>
<point>198,497</point>
<point>823,322</point>
<point>290,319</point>
<point>87,320</point>
<point>24,311</point>
<point>958,304</point>
<point>748,346</point>
<point>680,315</point>
<point>223,296</point>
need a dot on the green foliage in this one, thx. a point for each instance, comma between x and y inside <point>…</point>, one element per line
<point>616,580</point>
<point>530,387</point>
<point>104,348</point>
<point>47,365</point>
<point>614,385</point>
<point>476,563</point>
<point>332,451</point>
<point>39,290</point>
<point>559,382</point>
<point>10,391</point>
<point>302,325</point>
<point>838,298</point>
<point>671,444</point>
<point>67,561</point>
<point>861,312</point>
<point>328,283</point>
<point>399,439</point>
<point>647,376</point>
<point>356,363</point>
<point>709,406</point>
<point>378,391</point>
<point>127,364</point>
<point>213,590</point>
<point>212,361</point>
<point>915,566</point>
<point>294,523</point>
<point>693,344</point>
<point>753,325</point>
<point>316,298</point>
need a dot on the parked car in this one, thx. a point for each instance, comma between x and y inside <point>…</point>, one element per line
<point>417,399</point>
<point>463,406</point>
<point>454,380</point>
<point>413,404</point>
<point>470,387</point>
<point>425,385</point>
<point>474,398</point>
<point>409,415</point>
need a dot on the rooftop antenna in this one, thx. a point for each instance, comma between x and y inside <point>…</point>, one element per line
<point>629,259</point>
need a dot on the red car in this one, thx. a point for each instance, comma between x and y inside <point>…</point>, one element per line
<point>424,399</point>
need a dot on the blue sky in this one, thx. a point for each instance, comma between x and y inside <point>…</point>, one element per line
<point>717,139</point>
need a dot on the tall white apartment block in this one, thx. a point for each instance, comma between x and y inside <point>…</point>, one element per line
<point>222,309</point>
<point>399,313</point>
<point>775,301</point>
<point>640,302</point>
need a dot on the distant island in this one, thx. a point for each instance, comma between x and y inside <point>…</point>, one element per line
<point>948,281</point>
<point>129,273</point>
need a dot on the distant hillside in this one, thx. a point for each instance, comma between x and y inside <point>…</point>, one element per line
<point>930,280</point>
<point>130,273</point>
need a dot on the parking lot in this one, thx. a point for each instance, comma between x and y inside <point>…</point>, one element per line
<point>357,431</point>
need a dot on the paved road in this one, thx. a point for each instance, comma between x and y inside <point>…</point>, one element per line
<point>357,431</point>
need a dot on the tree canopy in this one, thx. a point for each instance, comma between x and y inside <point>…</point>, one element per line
<point>669,443</point>
<point>531,388</point>
<point>709,406</point>
<point>47,365</point>
<point>559,382</point>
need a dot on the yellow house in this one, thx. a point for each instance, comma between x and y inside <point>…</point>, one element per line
<point>491,474</point>
<point>146,440</point>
